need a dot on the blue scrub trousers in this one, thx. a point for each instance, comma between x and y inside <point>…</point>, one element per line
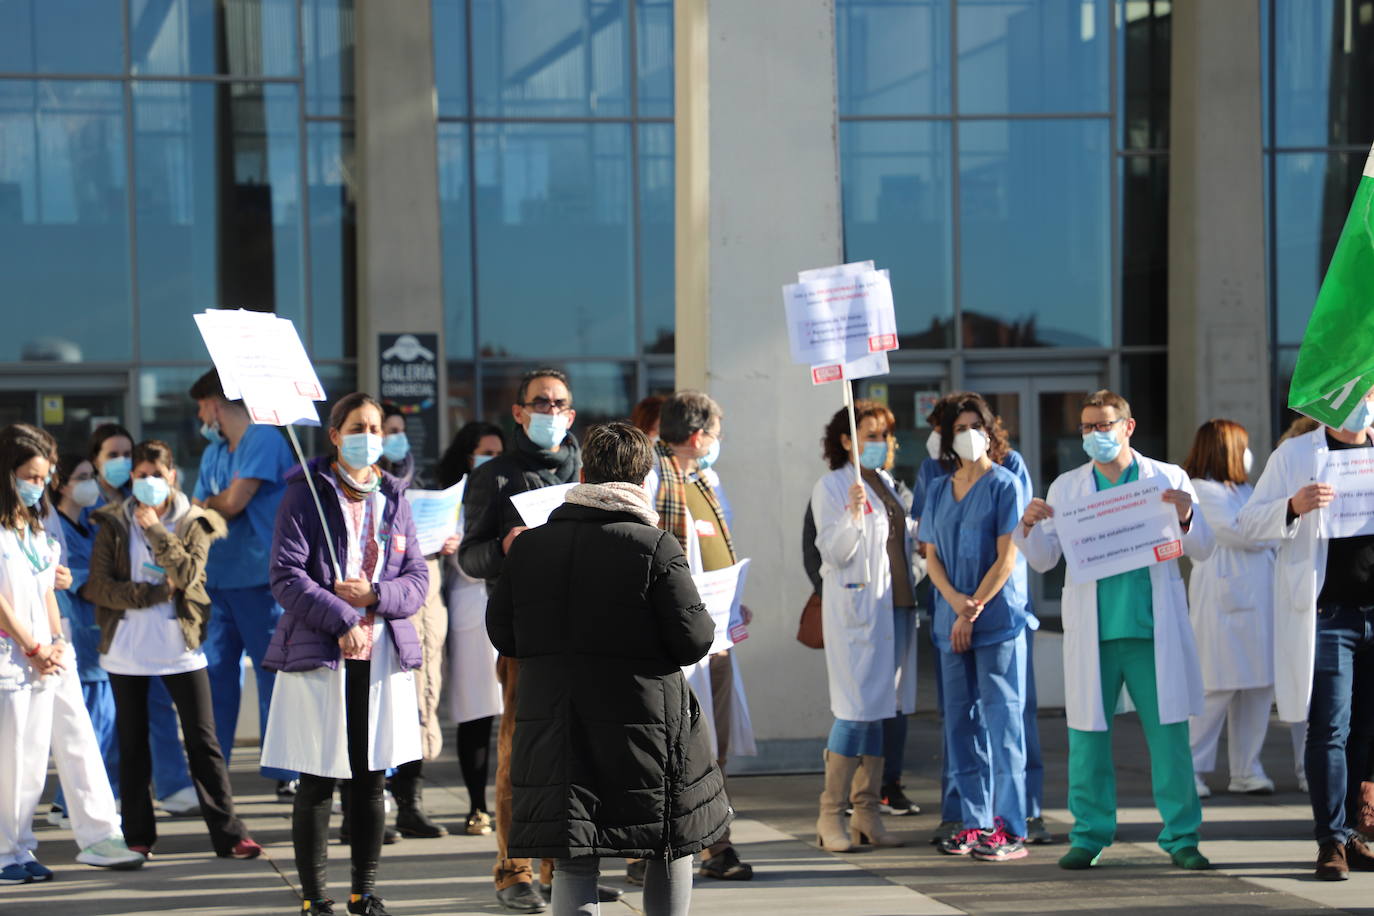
<point>242,620</point>
<point>1035,766</point>
<point>984,732</point>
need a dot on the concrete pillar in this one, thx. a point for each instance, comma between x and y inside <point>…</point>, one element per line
<point>400,263</point>
<point>1218,308</point>
<point>758,198</point>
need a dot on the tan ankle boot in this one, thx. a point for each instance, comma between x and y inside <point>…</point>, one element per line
<point>839,774</point>
<point>865,826</point>
<point>1364,821</point>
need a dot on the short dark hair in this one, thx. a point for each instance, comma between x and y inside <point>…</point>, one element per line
<point>833,449</point>
<point>390,410</point>
<point>616,452</point>
<point>155,451</point>
<point>67,463</point>
<point>541,372</point>
<point>102,434</point>
<point>685,412</point>
<point>207,386</point>
<point>20,443</point>
<point>453,466</point>
<point>338,414</point>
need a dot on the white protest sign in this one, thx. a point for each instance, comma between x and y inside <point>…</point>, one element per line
<point>436,515</point>
<point>261,359</point>
<point>839,270</point>
<point>535,506</point>
<point>875,364</point>
<point>840,318</point>
<point>720,591</point>
<point>1118,530</point>
<point>1351,513</point>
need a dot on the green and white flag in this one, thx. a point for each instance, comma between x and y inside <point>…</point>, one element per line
<point>1336,362</point>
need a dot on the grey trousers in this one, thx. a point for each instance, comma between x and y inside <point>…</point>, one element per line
<point>667,887</point>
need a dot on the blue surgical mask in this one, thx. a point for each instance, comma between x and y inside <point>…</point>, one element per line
<point>395,446</point>
<point>874,455</point>
<point>151,491</point>
<point>29,493</point>
<point>117,471</point>
<point>547,430</point>
<point>211,433</point>
<point>711,457</point>
<point>360,450</point>
<point>1362,417</point>
<point>479,460</point>
<point>1101,447</point>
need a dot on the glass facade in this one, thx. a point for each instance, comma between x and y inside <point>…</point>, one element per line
<point>555,148</point>
<point>161,158</point>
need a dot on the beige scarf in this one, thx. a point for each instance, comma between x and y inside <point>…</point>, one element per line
<point>615,497</point>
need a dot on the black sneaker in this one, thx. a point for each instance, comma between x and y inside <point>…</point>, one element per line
<point>317,908</point>
<point>370,905</point>
<point>726,867</point>
<point>895,801</point>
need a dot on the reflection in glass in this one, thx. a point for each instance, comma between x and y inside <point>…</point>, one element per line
<point>896,188</point>
<point>1036,233</point>
<point>1145,52</point>
<point>1145,386</point>
<point>554,239</point>
<point>893,56</point>
<point>550,59</point>
<point>329,51</point>
<point>656,184</point>
<point>218,204</point>
<point>1305,235</point>
<point>462,395</point>
<point>1323,73</point>
<point>602,391</point>
<point>654,57</point>
<point>167,412</point>
<point>332,180</point>
<point>61,36</point>
<point>1144,250</point>
<point>235,37</point>
<point>64,222</point>
<point>455,232</point>
<point>1061,449</point>
<point>451,56</point>
<point>1032,56</point>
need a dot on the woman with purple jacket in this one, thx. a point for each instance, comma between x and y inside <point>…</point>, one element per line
<point>345,635</point>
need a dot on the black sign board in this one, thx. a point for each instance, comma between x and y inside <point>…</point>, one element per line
<point>409,367</point>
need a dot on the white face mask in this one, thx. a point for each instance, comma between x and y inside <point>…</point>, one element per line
<point>971,444</point>
<point>933,444</point>
<point>86,492</point>
<point>1247,460</point>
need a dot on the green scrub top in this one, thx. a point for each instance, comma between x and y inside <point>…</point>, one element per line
<point>1125,603</point>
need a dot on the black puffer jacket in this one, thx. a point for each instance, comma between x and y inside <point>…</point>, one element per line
<point>610,756</point>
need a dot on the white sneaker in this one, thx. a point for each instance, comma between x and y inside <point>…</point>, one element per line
<point>110,853</point>
<point>1202,790</point>
<point>1251,785</point>
<point>58,818</point>
<point>1302,784</point>
<point>182,803</point>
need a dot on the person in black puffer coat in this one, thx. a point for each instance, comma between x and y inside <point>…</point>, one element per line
<point>610,755</point>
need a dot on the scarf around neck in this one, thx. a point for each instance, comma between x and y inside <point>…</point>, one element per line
<point>614,496</point>
<point>672,497</point>
<point>553,468</point>
<point>356,492</point>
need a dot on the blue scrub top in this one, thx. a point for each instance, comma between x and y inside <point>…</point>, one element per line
<point>965,534</point>
<point>240,560</point>
<point>930,469</point>
<point>79,539</point>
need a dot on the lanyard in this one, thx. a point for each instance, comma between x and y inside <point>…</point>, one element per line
<point>30,551</point>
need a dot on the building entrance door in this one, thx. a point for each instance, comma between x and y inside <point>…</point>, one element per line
<point>68,408</point>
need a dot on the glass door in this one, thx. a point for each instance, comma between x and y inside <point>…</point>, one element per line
<point>69,414</point>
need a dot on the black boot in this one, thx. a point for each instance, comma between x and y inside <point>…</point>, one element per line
<point>411,820</point>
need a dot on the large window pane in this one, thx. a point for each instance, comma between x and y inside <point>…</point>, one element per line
<point>329,49</point>
<point>1286,360</point>
<point>218,177</point>
<point>1145,53</point>
<point>1312,195</point>
<point>167,412</point>
<point>64,222</point>
<point>1144,250</point>
<point>451,56</point>
<point>1032,56</point>
<point>333,240</point>
<point>550,58</point>
<point>61,36</point>
<point>1324,73</point>
<point>236,37</point>
<point>455,230</point>
<point>1145,385</point>
<point>654,57</point>
<point>601,391</point>
<point>896,186</point>
<point>893,56</point>
<point>656,234</point>
<point>1035,233</point>
<point>554,240</point>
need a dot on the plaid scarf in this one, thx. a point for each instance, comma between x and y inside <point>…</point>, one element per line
<point>671,501</point>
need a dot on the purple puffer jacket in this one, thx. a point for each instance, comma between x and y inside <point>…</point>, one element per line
<point>302,576</point>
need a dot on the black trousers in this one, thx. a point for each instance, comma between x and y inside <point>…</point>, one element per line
<point>314,798</point>
<point>191,694</point>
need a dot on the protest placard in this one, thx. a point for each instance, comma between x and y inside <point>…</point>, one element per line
<point>262,361</point>
<point>1351,513</point>
<point>840,318</point>
<point>1118,530</point>
<point>436,515</point>
<point>721,591</point>
<point>535,506</point>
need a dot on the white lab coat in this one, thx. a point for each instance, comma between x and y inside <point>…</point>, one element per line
<point>473,690</point>
<point>1299,568</point>
<point>1230,596</point>
<point>1177,673</point>
<point>867,683</point>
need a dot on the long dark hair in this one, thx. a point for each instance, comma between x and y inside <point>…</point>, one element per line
<point>992,425</point>
<point>453,466</point>
<point>20,443</point>
<point>103,432</point>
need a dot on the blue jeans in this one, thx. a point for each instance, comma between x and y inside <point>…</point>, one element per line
<point>1344,654</point>
<point>242,620</point>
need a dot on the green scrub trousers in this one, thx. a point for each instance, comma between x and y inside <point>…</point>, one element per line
<point>1092,775</point>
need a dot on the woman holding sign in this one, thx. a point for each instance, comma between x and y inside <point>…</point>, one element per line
<point>981,616</point>
<point>868,616</point>
<point>347,569</point>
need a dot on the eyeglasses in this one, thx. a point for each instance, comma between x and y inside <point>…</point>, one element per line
<point>544,405</point>
<point>1104,427</point>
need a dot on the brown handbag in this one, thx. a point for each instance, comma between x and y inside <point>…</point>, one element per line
<point>809,630</point>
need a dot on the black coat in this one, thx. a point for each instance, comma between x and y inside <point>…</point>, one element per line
<point>610,756</point>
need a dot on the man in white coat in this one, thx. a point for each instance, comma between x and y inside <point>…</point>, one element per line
<point>1323,627</point>
<point>1130,629</point>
